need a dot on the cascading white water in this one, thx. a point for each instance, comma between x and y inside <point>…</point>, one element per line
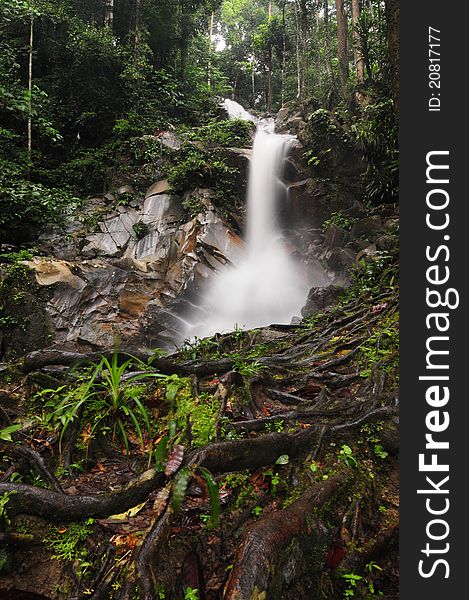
<point>266,285</point>
<point>236,111</point>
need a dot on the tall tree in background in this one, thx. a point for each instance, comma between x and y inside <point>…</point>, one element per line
<point>392,25</point>
<point>301,8</point>
<point>30,84</point>
<point>109,13</point>
<point>327,43</point>
<point>210,50</point>
<point>357,42</point>
<point>342,45</point>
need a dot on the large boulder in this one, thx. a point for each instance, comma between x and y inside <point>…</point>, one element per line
<point>134,286</point>
<point>320,299</point>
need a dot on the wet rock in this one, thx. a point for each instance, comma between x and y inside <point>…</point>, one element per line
<point>340,260</point>
<point>137,287</point>
<point>368,254</point>
<point>335,236</point>
<point>115,234</point>
<point>320,299</point>
<point>125,190</point>
<point>310,203</point>
<point>282,115</point>
<point>366,227</point>
<point>293,171</point>
<point>53,272</point>
<point>160,187</point>
<point>293,123</point>
<point>387,242</point>
<point>170,140</point>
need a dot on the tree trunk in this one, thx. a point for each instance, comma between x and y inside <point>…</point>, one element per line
<point>209,65</point>
<point>298,60</point>
<point>327,44</point>
<point>284,54</point>
<point>392,25</point>
<point>302,46</point>
<point>253,83</point>
<point>30,88</point>
<point>270,91</point>
<point>137,28</point>
<point>109,14</point>
<point>342,47</point>
<point>357,42</point>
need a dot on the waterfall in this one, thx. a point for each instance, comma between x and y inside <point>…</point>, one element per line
<point>236,111</point>
<point>266,285</point>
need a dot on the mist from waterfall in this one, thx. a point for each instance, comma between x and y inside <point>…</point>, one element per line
<point>266,285</point>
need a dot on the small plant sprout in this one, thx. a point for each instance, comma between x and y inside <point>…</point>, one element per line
<point>347,457</point>
<point>4,500</point>
<point>191,594</point>
<point>380,451</point>
<point>351,580</point>
<point>313,467</point>
<point>257,510</point>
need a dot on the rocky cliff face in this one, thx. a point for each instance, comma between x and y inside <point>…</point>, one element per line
<point>137,269</point>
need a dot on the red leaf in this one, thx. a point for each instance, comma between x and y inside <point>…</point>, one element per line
<point>335,554</point>
<point>174,461</point>
<point>161,501</point>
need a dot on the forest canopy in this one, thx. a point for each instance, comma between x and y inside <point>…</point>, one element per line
<point>79,79</point>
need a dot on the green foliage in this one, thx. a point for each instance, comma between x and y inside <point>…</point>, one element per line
<point>277,426</point>
<point>373,276</point>
<point>196,168</point>
<point>376,134</point>
<point>109,400</point>
<point>4,500</point>
<point>381,348</point>
<point>347,457</point>
<point>199,348</point>
<point>246,368</point>
<point>27,206</point>
<point>191,594</point>
<point>68,544</point>
<point>197,416</point>
<point>380,451</point>
<point>340,219</point>
<point>179,488</point>
<point>351,580</point>
<point>215,507</point>
<point>226,133</point>
<point>6,432</point>
<point>361,585</point>
<point>140,230</point>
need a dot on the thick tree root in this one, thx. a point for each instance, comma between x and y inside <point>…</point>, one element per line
<point>53,506</point>
<point>261,564</point>
<point>34,460</point>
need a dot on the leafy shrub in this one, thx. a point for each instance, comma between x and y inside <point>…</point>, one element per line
<point>195,168</point>
<point>26,206</point>
<point>340,219</point>
<point>226,133</point>
<point>376,135</point>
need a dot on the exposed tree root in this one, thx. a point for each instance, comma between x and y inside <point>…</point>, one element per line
<point>34,460</point>
<point>53,506</point>
<point>263,552</point>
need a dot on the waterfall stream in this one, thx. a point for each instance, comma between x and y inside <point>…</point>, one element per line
<point>266,285</point>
